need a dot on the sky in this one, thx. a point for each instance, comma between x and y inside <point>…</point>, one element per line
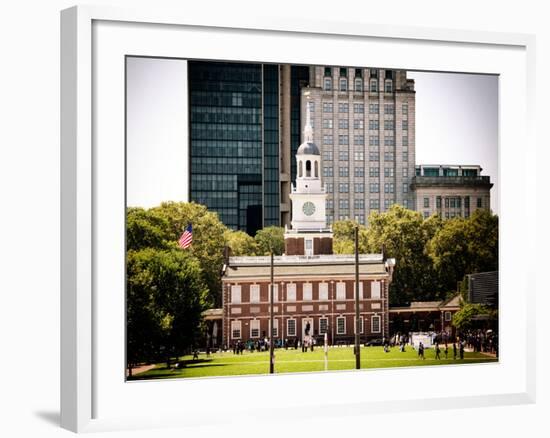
<point>456,123</point>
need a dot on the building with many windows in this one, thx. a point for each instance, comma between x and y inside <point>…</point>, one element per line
<point>314,290</point>
<point>450,191</point>
<point>364,120</point>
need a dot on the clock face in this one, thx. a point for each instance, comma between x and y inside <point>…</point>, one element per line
<point>308,208</point>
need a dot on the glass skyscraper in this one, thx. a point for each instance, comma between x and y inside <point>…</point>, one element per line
<point>226,151</point>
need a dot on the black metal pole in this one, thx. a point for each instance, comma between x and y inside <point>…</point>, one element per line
<point>271,341</point>
<point>357,335</point>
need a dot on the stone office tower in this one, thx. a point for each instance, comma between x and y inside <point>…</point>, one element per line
<point>364,122</point>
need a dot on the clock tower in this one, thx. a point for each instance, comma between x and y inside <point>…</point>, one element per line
<point>309,234</point>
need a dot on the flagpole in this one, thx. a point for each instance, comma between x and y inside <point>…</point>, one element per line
<point>357,335</point>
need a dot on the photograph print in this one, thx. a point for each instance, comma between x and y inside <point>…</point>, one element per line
<point>308,218</point>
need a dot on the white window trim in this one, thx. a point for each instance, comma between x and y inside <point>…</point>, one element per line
<point>361,294</point>
<point>337,290</point>
<point>275,326</point>
<point>450,316</point>
<point>235,323</point>
<point>324,318</point>
<point>379,324</point>
<point>337,326</point>
<point>234,289</point>
<point>373,288</point>
<point>288,326</point>
<point>256,289</point>
<point>255,321</point>
<point>361,325</point>
<point>291,287</point>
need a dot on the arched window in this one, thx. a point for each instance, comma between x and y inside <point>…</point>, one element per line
<point>308,168</point>
<point>358,85</point>
<point>328,84</point>
<point>300,168</point>
<point>316,169</point>
<point>388,86</point>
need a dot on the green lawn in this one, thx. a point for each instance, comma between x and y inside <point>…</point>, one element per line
<point>293,361</point>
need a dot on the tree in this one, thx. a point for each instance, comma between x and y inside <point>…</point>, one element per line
<point>270,238</point>
<point>145,229</point>
<point>403,235</point>
<point>240,243</point>
<point>165,297</point>
<point>208,239</point>
<point>465,246</point>
<point>463,319</point>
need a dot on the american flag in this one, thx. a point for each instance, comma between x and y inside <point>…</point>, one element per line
<point>186,238</point>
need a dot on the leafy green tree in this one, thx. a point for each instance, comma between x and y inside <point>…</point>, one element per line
<point>240,243</point>
<point>403,235</point>
<point>462,319</point>
<point>145,229</point>
<point>166,294</point>
<point>208,239</point>
<point>465,246</point>
<point>270,238</point>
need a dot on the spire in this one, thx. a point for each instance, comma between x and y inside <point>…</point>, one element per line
<point>308,129</point>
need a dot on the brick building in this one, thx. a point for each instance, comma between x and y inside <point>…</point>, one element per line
<point>314,290</point>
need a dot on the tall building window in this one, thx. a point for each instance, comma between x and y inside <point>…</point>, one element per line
<point>374,187</point>
<point>374,140</point>
<point>329,204</point>
<point>374,108</point>
<point>343,155</point>
<point>374,85</point>
<point>426,202</point>
<point>327,155</point>
<point>327,171</point>
<point>343,139</point>
<point>341,325</point>
<point>358,85</point>
<point>343,107</point>
<point>343,172</point>
<point>406,203</point>
<point>374,203</point>
<point>237,99</point>
<point>358,108</point>
<point>330,187</point>
<point>374,156</point>
<point>360,218</point>
<point>405,156</point>
<point>327,139</point>
<point>388,86</point>
<point>389,155</point>
<point>359,172</point>
<point>327,107</point>
<point>389,140</point>
<point>359,140</point>
<point>343,84</point>
<point>343,123</point>
<point>343,188</point>
<point>373,124</point>
<point>343,204</point>
<point>359,187</point>
<point>389,125</point>
<point>358,124</point>
<point>359,156</point>
<point>405,172</point>
<point>374,172</point>
<point>438,202</point>
<point>327,123</point>
<point>388,108</point>
<point>328,84</point>
<point>388,172</point>
<point>388,188</point>
<point>359,204</point>
<point>405,188</point>
<point>405,109</point>
<point>405,141</point>
<point>387,203</point>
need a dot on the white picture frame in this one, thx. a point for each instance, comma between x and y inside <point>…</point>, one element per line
<point>94,396</point>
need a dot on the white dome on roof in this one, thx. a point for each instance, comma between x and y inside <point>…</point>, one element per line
<point>308,148</point>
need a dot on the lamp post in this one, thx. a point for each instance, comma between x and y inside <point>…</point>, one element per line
<point>271,343</point>
<point>357,328</point>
